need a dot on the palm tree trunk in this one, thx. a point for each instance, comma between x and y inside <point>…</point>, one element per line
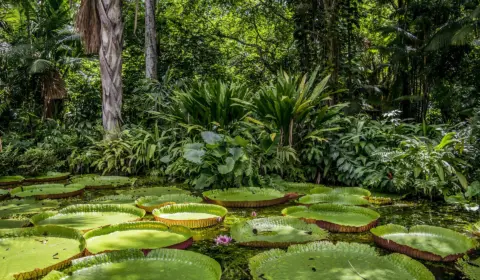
<point>111,35</point>
<point>150,40</point>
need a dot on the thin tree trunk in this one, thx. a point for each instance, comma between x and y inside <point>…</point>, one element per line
<point>290,133</point>
<point>150,40</point>
<point>111,34</point>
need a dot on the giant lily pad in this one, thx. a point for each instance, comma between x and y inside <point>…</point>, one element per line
<point>48,191</point>
<point>275,232</point>
<point>137,235</point>
<point>49,177</point>
<point>89,216</point>
<point>6,181</point>
<point>424,242</point>
<point>25,206</point>
<point>342,261</point>
<point>30,253</point>
<point>300,188</point>
<point>336,218</point>
<point>342,190</point>
<point>192,215</point>
<point>154,191</point>
<point>321,189</point>
<point>333,198</point>
<point>103,182</point>
<point>11,223</point>
<point>246,197</point>
<point>115,199</point>
<point>165,264</point>
<point>4,194</point>
<point>151,202</point>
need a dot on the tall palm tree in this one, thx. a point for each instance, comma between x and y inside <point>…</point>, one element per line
<point>459,32</point>
<point>100,24</point>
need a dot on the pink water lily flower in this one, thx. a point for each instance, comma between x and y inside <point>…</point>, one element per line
<point>223,240</point>
<point>254,214</point>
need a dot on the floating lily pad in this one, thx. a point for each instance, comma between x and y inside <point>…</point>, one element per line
<point>333,198</point>
<point>275,232</point>
<point>321,189</point>
<point>192,215</point>
<point>325,260</point>
<point>336,218</point>
<point>300,188</point>
<point>165,264</point>
<point>30,253</point>
<point>154,191</point>
<point>246,197</point>
<point>115,199</point>
<point>104,182</point>
<point>11,223</point>
<point>25,207</point>
<point>4,194</point>
<point>49,177</point>
<point>85,217</point>
<point>148,203</point>
<point>424,242</point>
<point>137,235</point>
<point>48,191</point>
<point>471,269</point>
<point>6,181</point>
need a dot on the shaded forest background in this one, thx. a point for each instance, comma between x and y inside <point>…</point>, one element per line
<point>399,63</point>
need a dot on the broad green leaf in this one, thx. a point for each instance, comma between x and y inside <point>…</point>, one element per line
<point>446,140</point>
<point>417,170</point>
<point>205,180</point>
<point>462,179</point>
<point>211,137</point>
<point>236,153</point>
<point>228,167</point>
<point>194,156</point>
<point>440,171</point>
<point>240,141</point>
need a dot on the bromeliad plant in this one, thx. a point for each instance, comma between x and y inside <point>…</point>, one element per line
<point>290,104</point>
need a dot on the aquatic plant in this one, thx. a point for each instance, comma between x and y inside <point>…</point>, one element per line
<point>275,232</point>
<point>143,235</point>
<point>335,218</point>
<point>31,253</point>
<point>49,177</point>
<point>246,197</point>
<point>7,181</point>
<point>45,191</point>
<point>85,217</point>
<point>325,260</point>
<point>424,242</point>
<point>151,202</point>
<point>25,206</point>
<point>192,215</point>
<point>344,199</point>
<point>132,264</point>
<point>103,182</point>
<point>223,240</point>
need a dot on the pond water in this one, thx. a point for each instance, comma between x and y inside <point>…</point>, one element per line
<point>234,258</point>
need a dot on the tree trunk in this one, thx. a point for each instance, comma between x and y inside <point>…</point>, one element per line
<point>111,35</point>
<point>150,40</point>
